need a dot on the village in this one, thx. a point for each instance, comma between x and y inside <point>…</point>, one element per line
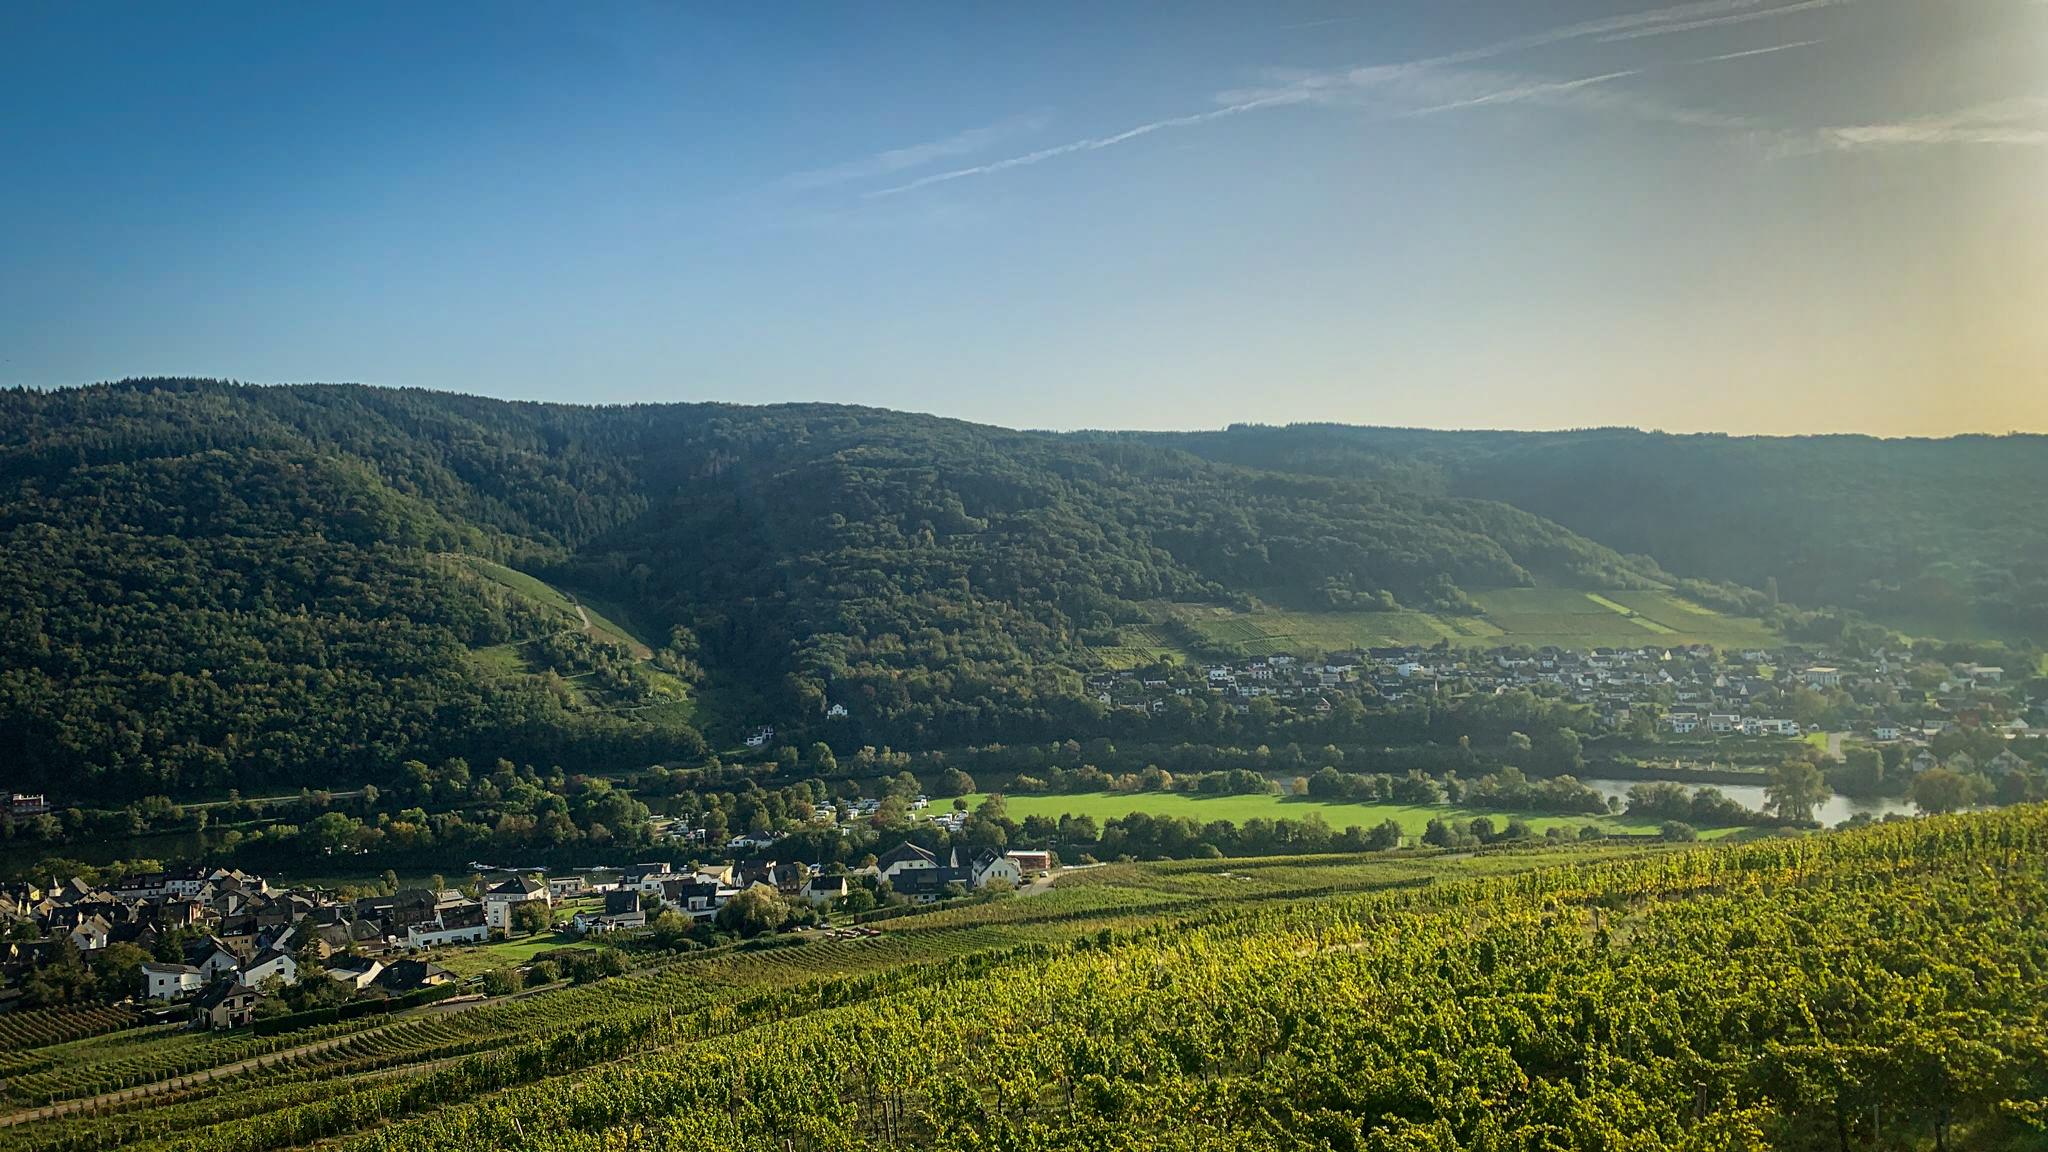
<point>219,941</point>
<point>1685,692</point>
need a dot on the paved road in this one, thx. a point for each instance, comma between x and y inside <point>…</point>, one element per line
<point>1043,884</point>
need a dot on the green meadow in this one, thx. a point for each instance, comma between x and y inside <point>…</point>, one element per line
<point>1413,818</point>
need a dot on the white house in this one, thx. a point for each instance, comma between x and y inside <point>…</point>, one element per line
<point>905,857</point>
<point>823,890</point>
<point>982,866</point>
<point>214,958</point>
<point>1821,676</point>
<point>502,897</point>
<point>271,963</point>
<point>454,926</point>
<point>170,981</point>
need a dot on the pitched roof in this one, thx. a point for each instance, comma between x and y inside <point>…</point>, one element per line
<point>407,975</point>
<point>221,991</point>
<point>904,853</point>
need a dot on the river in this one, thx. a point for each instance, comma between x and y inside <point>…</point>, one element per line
<point>1751,796</point>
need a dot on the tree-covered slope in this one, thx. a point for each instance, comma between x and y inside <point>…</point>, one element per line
<point>1943,534</point>
<point>208,585</point>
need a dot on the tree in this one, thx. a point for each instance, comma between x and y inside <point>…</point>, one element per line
<point>117,970</point>
<point>1796,789</point>
<point>1939,790</point>
<point>1384,836</point>
<point>531,916</point>
<point>758,909</point>
<point>1437,834</point>
<point>1678,832</point>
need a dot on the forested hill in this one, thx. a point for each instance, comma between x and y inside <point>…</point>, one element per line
<point>1940,535</point>
<point>206,585</point>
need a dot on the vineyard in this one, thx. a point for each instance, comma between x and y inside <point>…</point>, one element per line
<point>1884,988</point>
<point>37,1027</point>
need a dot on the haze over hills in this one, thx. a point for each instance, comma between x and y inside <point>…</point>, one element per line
<point>207,585</point>
<point>1929,533</point>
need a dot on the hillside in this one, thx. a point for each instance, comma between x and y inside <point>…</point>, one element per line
<point>1877,988</point>
<point>207,586</point>
<point>1938,537</point>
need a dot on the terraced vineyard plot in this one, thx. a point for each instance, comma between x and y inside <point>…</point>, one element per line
<point>1794,994</point>
<point>323,1082</point>
<point>35,1027</point>
<point>1535,617</point>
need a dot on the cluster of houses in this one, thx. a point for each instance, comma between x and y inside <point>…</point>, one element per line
<point>1693,689</point>
<point>1279,676</point>
<point>644,891</point>
<point>847,814</point>
<point>244,936</point>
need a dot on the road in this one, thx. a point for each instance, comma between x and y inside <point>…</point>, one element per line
<point>1043,884</point>
<point>291,798</point>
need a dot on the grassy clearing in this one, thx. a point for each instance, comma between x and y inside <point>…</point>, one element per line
<point>1413,818</point>
<point>602,622</point>
<point>505,953</point>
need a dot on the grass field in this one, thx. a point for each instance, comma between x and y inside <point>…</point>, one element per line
<point>1565,617</point>
<point>1413,818</point>
<point>505,954</point>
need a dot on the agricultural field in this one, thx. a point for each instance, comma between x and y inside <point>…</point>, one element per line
<point>1872,988</point>
<point>158,1087</point>
<point>1413,818</point>
<point>1534,617</point>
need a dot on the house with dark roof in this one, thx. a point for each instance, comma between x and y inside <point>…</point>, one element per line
<point>411,976</point>
<point>225,1005</point>
<point>356,972</point>
<point>622,909</point>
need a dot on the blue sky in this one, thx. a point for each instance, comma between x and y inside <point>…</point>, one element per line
<point>1739,215</point>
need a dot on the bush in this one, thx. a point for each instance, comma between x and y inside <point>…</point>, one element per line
<point>503,981</point>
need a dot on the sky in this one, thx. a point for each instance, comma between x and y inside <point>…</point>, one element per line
<point>1751,216</point>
